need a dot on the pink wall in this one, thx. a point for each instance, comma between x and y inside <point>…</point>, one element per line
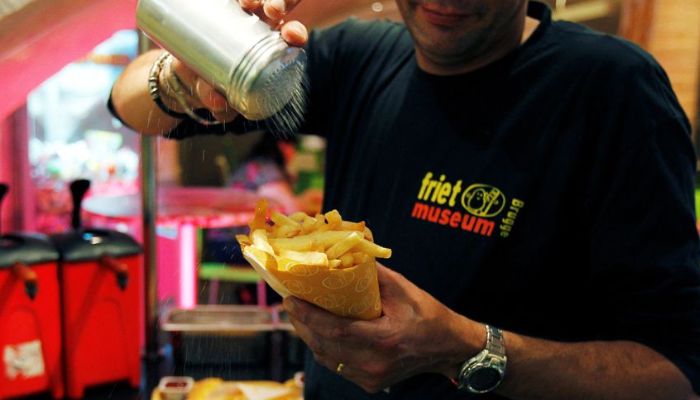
<point>17,210</point>
<point>35,43</point>
<point>5,172</point>
<point>48,42</point>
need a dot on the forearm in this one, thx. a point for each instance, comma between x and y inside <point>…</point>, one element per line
<point>541,369</point>
<point>132,101</point>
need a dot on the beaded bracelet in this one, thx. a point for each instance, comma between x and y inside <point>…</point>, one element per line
<point>154,86</point>
<point>176,86</point>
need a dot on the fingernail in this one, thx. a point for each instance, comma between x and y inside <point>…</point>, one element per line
<point>250,3</point>
<point>279,5</point>
<point>294,33</point>
<point>298,28</point>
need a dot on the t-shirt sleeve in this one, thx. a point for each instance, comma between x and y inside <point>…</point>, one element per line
<point>189,127</point>
<point>644,243</point>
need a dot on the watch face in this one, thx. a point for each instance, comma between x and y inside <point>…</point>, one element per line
<point>484,379</point>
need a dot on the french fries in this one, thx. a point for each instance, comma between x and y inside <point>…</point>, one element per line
<point>325,240</point>
<point>321,259</point>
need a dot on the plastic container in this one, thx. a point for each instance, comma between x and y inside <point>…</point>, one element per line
<point>100,274</point>
<point>175,387</point>
<point>100,281</point>
<point>30,317</point>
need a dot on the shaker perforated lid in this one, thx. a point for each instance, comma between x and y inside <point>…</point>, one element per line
<point>277,83</point>
<point>269,77</point>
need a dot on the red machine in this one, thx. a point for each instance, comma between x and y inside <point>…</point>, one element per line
<point>30,316</point>
<point>100,282</point>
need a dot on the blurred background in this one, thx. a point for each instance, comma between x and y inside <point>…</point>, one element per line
<point>58,61</point>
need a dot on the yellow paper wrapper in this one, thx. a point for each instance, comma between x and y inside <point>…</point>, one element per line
<point>349,292</point>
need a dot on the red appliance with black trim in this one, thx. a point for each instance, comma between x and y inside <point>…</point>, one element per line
<point>30,316</point>
<point>100,278</point>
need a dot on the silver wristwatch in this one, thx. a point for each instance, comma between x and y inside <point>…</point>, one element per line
<point>485,371</point>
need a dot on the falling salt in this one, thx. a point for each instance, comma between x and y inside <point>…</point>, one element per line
<point>285,123</point>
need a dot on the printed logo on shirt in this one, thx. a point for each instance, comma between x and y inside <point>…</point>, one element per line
<point>478,208</point>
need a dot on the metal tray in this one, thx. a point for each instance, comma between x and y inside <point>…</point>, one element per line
<point>234,342</point>
<point>220,319</point>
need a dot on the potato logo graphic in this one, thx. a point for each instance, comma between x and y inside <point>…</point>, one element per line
<point>483,200</point>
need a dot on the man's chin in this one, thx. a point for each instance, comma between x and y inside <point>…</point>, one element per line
<point>444,41</point>
<point>442,54</point>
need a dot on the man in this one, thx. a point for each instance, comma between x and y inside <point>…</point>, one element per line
<point>534,180</point>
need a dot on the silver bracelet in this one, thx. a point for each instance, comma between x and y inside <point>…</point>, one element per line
<point>176,86</point>
<point>154,86</point>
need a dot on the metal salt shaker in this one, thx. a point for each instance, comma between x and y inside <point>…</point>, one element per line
<point>230,48</point>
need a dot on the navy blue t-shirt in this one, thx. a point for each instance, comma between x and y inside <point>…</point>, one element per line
<point>549,193</point>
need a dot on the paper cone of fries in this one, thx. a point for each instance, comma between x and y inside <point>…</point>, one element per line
<point>349,292</point>
<point>323,260</point>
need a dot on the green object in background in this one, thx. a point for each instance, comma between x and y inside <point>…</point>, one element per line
<point>697,203</point>
<point>308,180</point>
<point>224,272</point>
<point>227,273</point>
<point>309,163</point>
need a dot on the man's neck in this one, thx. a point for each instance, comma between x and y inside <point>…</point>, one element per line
<point>526,31</point>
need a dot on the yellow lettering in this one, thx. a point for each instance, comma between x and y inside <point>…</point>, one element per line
<point>445,190</point>
<point>431,186</point>
<point>437,189</point>
<point>455,191</point>
<point>424,186</point>
<point>508,222</point>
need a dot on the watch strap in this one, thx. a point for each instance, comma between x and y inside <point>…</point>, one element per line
<point>494,340</point>
<point>493,356</point>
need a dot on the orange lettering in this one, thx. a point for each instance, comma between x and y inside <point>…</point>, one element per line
<point>456,217</point>
<point>445,217</point>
